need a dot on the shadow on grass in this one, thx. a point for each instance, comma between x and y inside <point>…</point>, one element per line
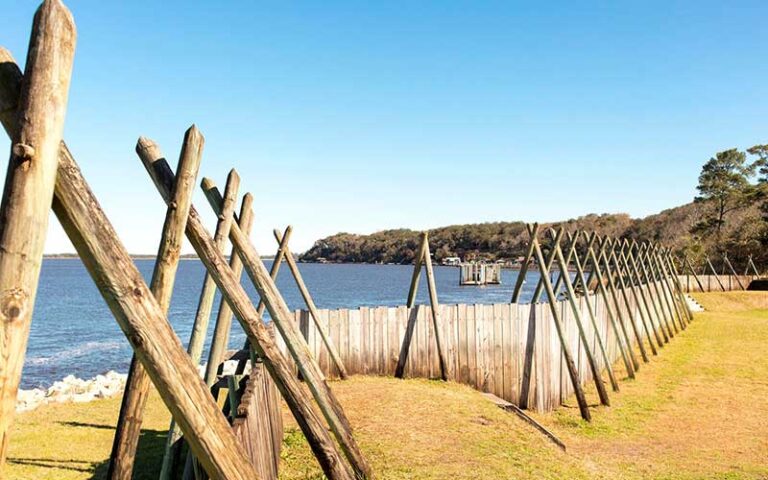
<point>148,458</point>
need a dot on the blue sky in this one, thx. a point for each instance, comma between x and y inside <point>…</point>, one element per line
<point>359,116</point>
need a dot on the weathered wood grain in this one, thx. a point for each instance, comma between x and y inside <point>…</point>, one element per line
<point>36,132</point>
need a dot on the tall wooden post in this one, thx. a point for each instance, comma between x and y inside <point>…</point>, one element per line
<point>601,391</point>
<point>580,277</point>
<point>687,263</point>
<point>311,307</point>
<point>667,281</point>
<point>417,263</point>
<point>424,257</point>
<point>573,240</point>
<point>714,272</point>
<point>137,385</point>
<point>573,373</point>
<point>635,286</point>
<point>669,294</point>
<point>620,331</point>
<point>281,316</point>
<point>29,185</point>
<point>676,276</point>
<point>550,261</point>
<point>523,268</point>
<point>644,287</point>
<point>733,272</point>
<point>613,258</point>
<point>652,286</point>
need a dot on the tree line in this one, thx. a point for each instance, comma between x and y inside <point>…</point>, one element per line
<point>729,214</point>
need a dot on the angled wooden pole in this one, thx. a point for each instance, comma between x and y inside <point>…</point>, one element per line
<point>550,259</point>
<point>662,277</point>
<point>134,307</point>
<point>604,263</point>
<point>524,268</point>
<point>258,334</point>
<point>624,288</point>
<point>661,281</point>
<point>635,285</point>
<point>652,287</point>
<point>137,385</point>
<point>671,288</point>
<point>619,331</point>
<point>29,185</point>
<point>281,317</point>
<point>687,263</point>
<point>596,374</point>
<point>733,272</point>
<point>573,373</point>
<point>751,263</point>
<point>418,262</point>
<point>273,271</point>
<point>311,306</point>
<point>668,262</point>
<point>590,310</point>
<point>570,253</point>
<point>435,308</point>
<point>405,347</point>
<point>203,314</point>
<point>644,287</point>
<point>714,272</point>
<point>224,317</point>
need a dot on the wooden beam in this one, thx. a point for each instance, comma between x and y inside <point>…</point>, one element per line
<point>633,277</point>
<point>669,294</point>
<point>687,263</point>
<point>733,272</point>
<point>714,272</point>
<point>435,308</point>
<point>591,312</point>
<point>651,286</point>
<point>612,260</point>
<point>616,323</point>
<point>524,268</point>
<point>571,294</point>
<point>550,261</point>
<point>573,373</point>
<point>418,262</point>
<point>137,385</point>
<point>311,307</point>
<point>281,317</point>
<point>29,186</point>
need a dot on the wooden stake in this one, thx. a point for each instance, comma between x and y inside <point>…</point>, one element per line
<point>687,263</point>
<point>669,295</point>
<point>550,259</point>
<point>137,385</point>
<point>714,272</point>
<point>592,317</point>
<point>676,277</point>
<point>281,316</point>
<point>523,268</point>
<point>435,307</point>
<point>621,333</point>
<point>622,287</point>
<point>634,281</point>
<point>418,262</point>
<point>311,306</point>
<point>573,373</point>
<point>601,391</point>
<point>658,307</point>
<point>733,272</point>
<point>29,185</point>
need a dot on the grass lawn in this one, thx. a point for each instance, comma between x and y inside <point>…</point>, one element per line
<point>698,410</point>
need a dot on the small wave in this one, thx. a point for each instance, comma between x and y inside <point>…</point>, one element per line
<point>81,350</point>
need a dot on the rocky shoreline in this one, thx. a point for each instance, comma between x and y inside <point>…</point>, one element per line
<point>77,390</point>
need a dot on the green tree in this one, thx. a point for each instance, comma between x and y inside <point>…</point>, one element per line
<point>724,183</point>
<point>761,152</point>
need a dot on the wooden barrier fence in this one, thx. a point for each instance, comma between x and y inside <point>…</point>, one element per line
<point>489,347</point>
<point>710,283</point>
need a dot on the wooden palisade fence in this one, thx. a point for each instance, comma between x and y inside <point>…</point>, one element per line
<point>625,300</point>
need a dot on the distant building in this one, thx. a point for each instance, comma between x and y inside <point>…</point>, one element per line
<point>451,261</point>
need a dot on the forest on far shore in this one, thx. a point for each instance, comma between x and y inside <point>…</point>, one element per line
<point>730,215</point>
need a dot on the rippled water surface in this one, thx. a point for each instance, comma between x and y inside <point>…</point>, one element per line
<point>73,331</point>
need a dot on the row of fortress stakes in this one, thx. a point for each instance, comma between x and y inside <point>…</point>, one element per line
<point>624,303</point>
